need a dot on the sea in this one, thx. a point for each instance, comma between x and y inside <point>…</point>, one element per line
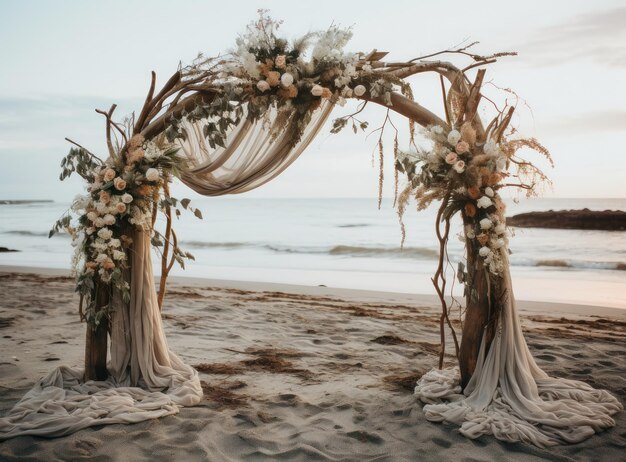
<point>351,243</point>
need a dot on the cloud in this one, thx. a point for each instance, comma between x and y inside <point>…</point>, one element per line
<point>599,37</point>
<point>591,122</point>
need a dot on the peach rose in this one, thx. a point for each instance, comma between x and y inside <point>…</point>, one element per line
<point>280,61</point>
<point>273,78</point>
<point>109,174</point>
<point>120,207</point>
<point>119,184</point>
<point>462,147</point>
<point>108,264</point>
<point>91,265</point>
<point>451,158</point>
<point>473,192</point>
<point>470,210</point>
<point>105,197</point>
<point>483,238</point>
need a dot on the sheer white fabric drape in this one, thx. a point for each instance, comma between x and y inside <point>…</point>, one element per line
<point>255,153</point>
<point>510,397</point>
<point>146,379</point>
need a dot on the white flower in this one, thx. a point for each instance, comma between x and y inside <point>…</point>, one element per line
<point>127,198</point>
<point>485,223</point>
<point>501,164</point>
<point>489,192</point>
<point>115,243</point>
<point>92,216</point>
<point>152,174</point>
<point>491,148</point>
<point>317,90</point>
<point>500,228</point>
<point>90,231</point>
<point>498,243</point>
<point>347,92</point>
<point>459,166</point>
<point>469,232</point>
<point>484,251</point>
<point>359,90</point>
<point>105,233</point>
<point>484,202</point>
<point>262,85</point>
<point>80,202</point>
<point>286,79</point>
<point>119,255</point>
<point>453,137</point>
<point>108,219</point>
<point>101,207</point>
<point>102,258</point>
<point>436,129</point>
<point>98,222</point>
<point>367,67</point>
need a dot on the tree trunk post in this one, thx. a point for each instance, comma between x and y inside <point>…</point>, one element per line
<point>481,313</point>
<point>96,341</point>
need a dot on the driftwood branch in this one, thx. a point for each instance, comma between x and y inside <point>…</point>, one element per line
<point>109,122</point>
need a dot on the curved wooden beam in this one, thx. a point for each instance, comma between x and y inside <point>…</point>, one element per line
<point>409,108</point>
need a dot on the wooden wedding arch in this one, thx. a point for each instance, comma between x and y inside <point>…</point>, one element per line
<point>230,124</point>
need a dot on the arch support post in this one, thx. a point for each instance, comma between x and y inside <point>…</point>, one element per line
<point>96,340</point>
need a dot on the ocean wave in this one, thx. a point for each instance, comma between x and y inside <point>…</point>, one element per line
<point>337,250</point>
<point>572,264</point>
<point>406,252</point>
<point>20,232</point>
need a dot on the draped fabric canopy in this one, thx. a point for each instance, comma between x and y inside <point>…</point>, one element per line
<point>147,380</point>
<point>254,153</point>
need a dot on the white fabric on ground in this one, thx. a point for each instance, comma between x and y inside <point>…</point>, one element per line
<point>147,380</point>
<point>511,398</point>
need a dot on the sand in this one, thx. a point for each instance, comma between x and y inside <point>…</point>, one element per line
<point>296,373</point>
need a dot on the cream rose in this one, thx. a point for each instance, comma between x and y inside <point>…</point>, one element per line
<point>127,198</point>
<point>459,166</point>
<point>454,137</point>
<point>105,233</point>
<point>98,222</point>
<point>262,85</point>
<point>484,202</point>
<point>108,219</point>
<point>286,79</point>
<point>359,90</point>
<point>152,174</point>
<point>317,90</point>
<point>485,223</point>
<point>484,252</point>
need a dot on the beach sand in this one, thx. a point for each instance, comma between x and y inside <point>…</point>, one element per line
<point>296,373</point>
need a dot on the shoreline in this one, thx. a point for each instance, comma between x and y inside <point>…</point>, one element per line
<point>523,306</point>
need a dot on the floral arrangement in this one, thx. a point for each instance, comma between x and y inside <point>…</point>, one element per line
<point>123,193</point>
<point>470,174</point>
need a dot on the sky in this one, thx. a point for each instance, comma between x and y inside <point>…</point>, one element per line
<point>62,59</point>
